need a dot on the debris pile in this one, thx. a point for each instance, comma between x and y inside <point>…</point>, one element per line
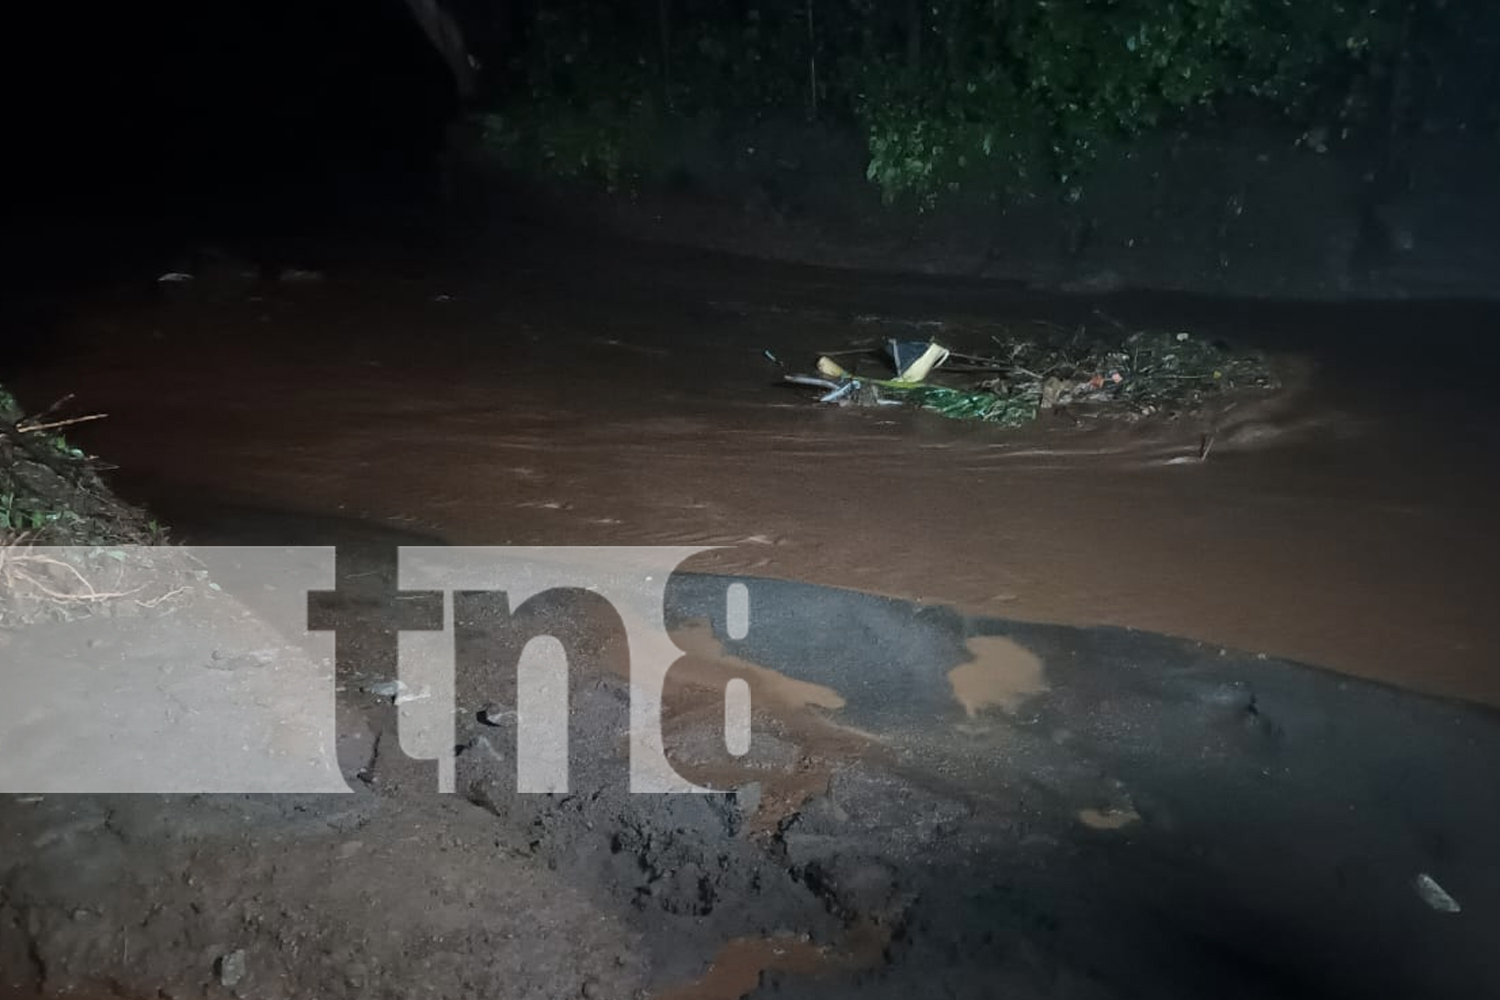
<point>68,546</point>
<point>50,490</point>
<point>1131,375</point>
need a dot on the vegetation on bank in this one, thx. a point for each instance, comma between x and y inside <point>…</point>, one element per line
<point>67,543</point>
<point>50,490</point>
<point>1001,97</point>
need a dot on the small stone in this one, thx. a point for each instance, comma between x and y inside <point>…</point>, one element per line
<point>747,799</point>
<point>355,975</point>
<point>1435,895</point>
<point>385,689</point>
<point>494,714</point>
<point>407,696</point>
<point>485,747</point>
<point>230,968</point>
<point>591,989</point>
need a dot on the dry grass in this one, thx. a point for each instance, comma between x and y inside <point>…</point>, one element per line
<point>22,570</point>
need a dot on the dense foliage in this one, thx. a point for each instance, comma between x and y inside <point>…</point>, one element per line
<point>993,95</point>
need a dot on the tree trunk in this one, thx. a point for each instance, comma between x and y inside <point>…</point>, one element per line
<point>664,26</point>
<point>443,32</point>
<point>914,35</point>
<point>812,65</point>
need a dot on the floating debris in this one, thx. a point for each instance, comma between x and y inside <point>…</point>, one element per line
<point>1135,374</point>
<point>829,368</point>
<point>915,360</point>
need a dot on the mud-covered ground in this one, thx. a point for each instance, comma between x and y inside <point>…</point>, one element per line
<point>966,806</point>
<point>974,802</point>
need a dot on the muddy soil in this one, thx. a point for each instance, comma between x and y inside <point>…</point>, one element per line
<point>976,805</point>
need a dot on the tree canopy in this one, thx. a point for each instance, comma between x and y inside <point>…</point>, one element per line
<point>950,94</point>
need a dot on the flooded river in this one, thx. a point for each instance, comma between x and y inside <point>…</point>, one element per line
<point>534,390</point>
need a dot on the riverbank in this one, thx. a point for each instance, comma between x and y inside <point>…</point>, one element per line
<point>1252,212</point>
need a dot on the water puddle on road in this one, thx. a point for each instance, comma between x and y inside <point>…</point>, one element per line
<point>1108,819</point>
<point>708,664</point>
<point>1002,674</point>
<point>742,964</point>
<point>796,747</point>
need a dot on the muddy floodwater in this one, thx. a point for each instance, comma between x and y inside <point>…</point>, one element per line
<point>539,391</point>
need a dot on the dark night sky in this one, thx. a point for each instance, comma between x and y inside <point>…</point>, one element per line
<point>129,106</point>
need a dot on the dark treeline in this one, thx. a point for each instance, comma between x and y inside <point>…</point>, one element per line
<point>988,94</point>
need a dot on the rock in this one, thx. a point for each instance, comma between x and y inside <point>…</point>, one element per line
<point>356,975</point>
<point>385,689</point>
<point>406,697</point>
<point>747,799</point>
<point>230,968</point>
<point>494,714</point>
<point>591,989</point>
<point>1435,895</point>
<point>485,748</point>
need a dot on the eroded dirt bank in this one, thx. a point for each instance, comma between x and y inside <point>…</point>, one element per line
<point>543,392</point>
<point>948,804</point>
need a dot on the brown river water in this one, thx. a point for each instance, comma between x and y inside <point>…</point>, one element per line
<point>543,392</point>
